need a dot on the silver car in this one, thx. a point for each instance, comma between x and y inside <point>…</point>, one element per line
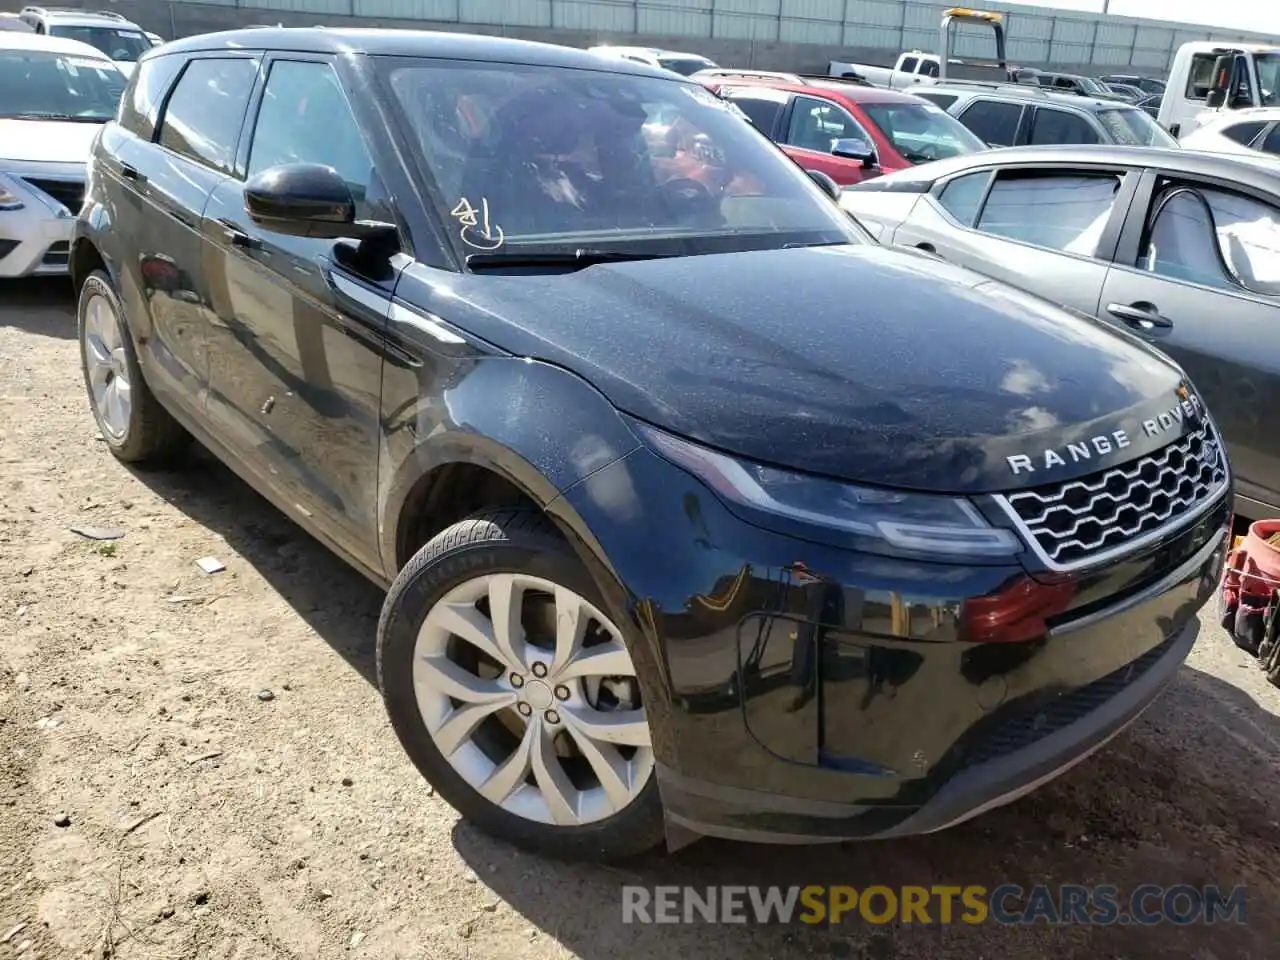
<point>1177,247</point>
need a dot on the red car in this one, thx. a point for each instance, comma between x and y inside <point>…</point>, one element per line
<point>847,131</point>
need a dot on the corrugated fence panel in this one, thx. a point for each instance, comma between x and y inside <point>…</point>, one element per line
<point>445,11</point>
<point>888,39</point>
<point>523,13</point>
<point>812,21</point>
<point>612,15</point>
<point>691,18</point>
<point>745,19</point>
<point>307,6</point>
<point>875,13</point>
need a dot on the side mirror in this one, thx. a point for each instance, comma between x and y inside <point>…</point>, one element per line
<point>855,148</point>
<point>1215,98</point>
<point>308,200</point>
<point>828,185</point>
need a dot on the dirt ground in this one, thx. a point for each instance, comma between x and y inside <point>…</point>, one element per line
<point>230,788</point>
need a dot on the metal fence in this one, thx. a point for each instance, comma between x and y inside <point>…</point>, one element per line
<point>1035,35</point>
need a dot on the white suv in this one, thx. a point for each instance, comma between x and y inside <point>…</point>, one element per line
<point>55,95</point>
<point>119,38</point>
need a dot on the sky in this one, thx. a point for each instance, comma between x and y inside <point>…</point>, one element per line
<point>1259,15</point>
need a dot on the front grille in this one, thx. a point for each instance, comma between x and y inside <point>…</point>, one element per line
<point>1021,726</point>
<point>1077,522</point>
<point>69,193</point>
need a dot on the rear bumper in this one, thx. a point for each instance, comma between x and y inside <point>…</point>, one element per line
<point>736,813</point>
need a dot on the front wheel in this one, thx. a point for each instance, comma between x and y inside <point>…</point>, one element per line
<point>515,695</point>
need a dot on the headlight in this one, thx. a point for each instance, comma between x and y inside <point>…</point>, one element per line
<point>915,522</point>
<point>9,200</point>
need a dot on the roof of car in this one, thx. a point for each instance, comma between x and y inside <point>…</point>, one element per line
<point>1260,172</point>
<point>1028,92</point>
<point>86,18</point>
<point>854,92</point>
<point>408,43</point>
<point>12,40</point>
<point>1228,117</point>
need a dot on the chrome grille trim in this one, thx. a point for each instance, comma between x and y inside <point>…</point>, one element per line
<point>1094,519</point>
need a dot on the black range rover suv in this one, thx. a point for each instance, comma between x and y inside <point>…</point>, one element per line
<point>699,512</point>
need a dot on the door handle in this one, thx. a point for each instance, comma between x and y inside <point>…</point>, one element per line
<point>131,173</point>
<point>1142,316</point>
<point>237,237</point>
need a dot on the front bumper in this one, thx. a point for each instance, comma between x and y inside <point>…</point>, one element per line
<point>800,692</point>
<point>35,240</point>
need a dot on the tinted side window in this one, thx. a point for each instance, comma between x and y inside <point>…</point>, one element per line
<point>1200,76</point>
<point>140,106</point>
<point>1214,237</point>
<point>994,122</point>
<point>1064,212</point>
<point>815,123</point>
<point>962,195</point>
<point>1058,126</point>
<point>203,117</point>
<point>763,114</point>
<point>1272,143</point>
<point>305,118</point>
<point>1243,132</point>
<point>943,100</point>
<point>909,65</point>
<point>929,68</point>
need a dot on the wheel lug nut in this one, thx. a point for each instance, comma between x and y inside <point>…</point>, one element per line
<point>562,692</point>
<point>539,669</point>
<point>552,716</point>
<point>525,709</point>
<point>517,681</point>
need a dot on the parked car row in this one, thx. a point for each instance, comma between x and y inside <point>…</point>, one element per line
<point>699,511</point>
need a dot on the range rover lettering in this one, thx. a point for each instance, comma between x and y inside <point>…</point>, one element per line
<point>693,504</point>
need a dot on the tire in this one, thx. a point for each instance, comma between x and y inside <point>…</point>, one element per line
<point>474,555</point>
<point>142,430</point>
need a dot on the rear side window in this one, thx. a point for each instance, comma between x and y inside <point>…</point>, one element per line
<point>763,114</point>
<point>140,106</point>
<point>962,196</point>
<point>1243,132</point>
<point>1058,126</point>
<point>203,117</point>
<point>1200,76</point>
<point>909,65</point>
<point>994,122</point>
<point>943,100</point>
<point>1061,211</point>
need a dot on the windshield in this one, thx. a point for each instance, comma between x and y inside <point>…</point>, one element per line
<point>124,45</point>
<point>544,159</point>
<point>1135,127</point>
<point>36,84</point>
<point>921,131</point>
<point>1268,66</point>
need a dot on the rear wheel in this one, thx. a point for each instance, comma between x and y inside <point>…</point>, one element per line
<point>133,423</point>
<point>515,695</point>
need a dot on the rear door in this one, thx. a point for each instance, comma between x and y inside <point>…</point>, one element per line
<point>1197,274</point>
<point>1050,125</point>
<point>165,185</point>
<point>1050,229</point>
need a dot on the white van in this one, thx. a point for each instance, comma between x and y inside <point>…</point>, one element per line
<point>1210,76</point>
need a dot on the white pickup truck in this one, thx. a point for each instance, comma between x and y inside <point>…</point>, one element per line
<point>913,66</point>
<point>1211,76</point>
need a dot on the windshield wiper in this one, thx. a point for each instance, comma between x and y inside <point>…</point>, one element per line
<point>577,259</point>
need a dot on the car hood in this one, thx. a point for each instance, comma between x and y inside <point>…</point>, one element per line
<point>46,141</point>
<point>856,362</point>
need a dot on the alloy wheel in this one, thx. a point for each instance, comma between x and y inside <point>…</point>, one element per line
<point>528,691</point>
<point>107,366</point>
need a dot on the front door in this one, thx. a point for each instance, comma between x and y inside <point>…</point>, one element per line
<point>297,364</point>
<point>813,126</point>
<point>1198,276</point>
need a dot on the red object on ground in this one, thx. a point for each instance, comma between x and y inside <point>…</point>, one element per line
<point>1253,567</point>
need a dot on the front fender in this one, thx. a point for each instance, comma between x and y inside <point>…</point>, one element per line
<point>507,414</point>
